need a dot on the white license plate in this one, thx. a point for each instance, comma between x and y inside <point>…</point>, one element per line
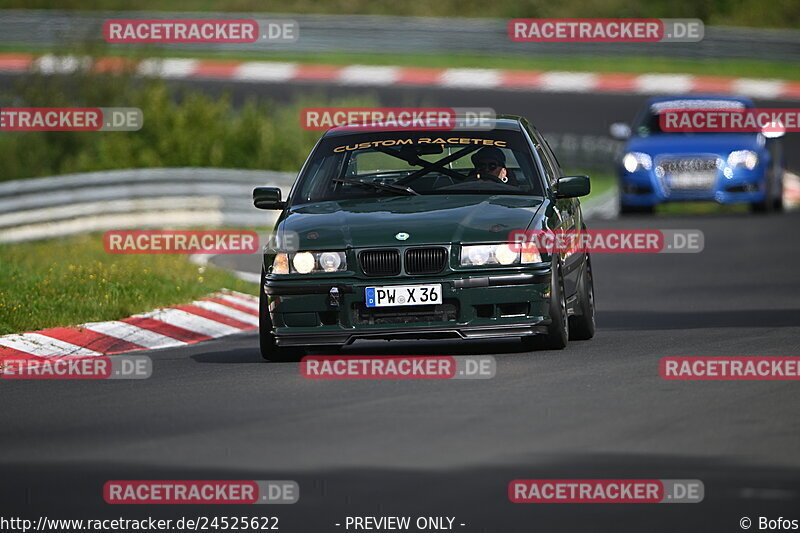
<point>403,295</point>
<point>692,180</point>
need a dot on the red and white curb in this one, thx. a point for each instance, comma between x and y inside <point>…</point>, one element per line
<point>222,313</point>
<point>454,78</point>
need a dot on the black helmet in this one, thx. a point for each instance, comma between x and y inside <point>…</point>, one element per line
<point>489,152</point>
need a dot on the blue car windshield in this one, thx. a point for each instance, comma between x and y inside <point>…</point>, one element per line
<point>647,123</point>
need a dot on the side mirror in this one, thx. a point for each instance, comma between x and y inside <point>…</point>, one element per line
<point>620,131</point>
<point>573,186</point>
<point>268,198</point>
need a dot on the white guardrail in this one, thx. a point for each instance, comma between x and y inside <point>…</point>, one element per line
<point>42,208</point>
<point>383,34</point>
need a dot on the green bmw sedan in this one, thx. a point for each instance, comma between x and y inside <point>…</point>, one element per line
<point>405,234</point>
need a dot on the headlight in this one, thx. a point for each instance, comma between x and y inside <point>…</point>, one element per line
<point>498,254</point>
<point>633,161</point>
<point>309,262</point>
<point>746,158</point>
<point>330,261</point>
<point>476,255</point>
<point>505,255</point>
<point>303,262</point>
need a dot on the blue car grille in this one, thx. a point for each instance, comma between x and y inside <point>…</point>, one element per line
<point>688,173</point>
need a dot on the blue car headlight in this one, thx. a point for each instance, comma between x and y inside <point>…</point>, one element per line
<point>633,161</point>
<point>745,158</point>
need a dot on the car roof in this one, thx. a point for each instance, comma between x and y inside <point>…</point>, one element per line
<point>656,99</point>
<point>500,122</point>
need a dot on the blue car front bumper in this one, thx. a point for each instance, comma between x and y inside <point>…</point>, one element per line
<point>645,188</point>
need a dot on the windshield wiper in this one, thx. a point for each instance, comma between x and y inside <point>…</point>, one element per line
<point>380,186</point>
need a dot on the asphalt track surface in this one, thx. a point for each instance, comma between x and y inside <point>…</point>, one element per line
<point>595,410</point>
<point>449,448</point>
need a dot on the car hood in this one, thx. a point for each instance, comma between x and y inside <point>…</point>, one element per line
<point>698,143</point>
<point>427,219</point>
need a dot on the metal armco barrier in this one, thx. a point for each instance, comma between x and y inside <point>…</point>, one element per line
<point>42,208</point>
<point>367,33</point>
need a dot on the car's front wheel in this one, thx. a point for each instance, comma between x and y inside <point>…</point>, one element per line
<point>769,201</point>
<point>625,209</point>
<point>558,331</point>
<point>582,326</point>
<point>269,348</point>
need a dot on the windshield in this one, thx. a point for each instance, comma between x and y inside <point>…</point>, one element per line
<point>418,163</point>
<point>647,123</point>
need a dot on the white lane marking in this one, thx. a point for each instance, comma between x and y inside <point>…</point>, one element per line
<point>42,345</point>
<point>664,83</point>
<point>168,68</point>
<point>242,295</point>
<point>470,78</point>
<point>215,307</point>
<point>265,71</point>
<point>192,322</point>
<point>568,81</point>
<point>252,304</point>
<point>135,334</point>
<point>50,64</point>
<point>758,88</point>
<point>368,75</point>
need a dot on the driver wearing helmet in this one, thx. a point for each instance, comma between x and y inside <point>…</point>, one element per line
<point>490,163</point>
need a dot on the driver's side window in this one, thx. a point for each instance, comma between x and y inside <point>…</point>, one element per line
<point>550,173</point>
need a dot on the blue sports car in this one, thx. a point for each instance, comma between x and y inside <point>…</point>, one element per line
<point>727,168</point>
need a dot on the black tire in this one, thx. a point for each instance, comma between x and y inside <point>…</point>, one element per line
<point>557,334</point>
<point>270,351</point>
<point>625,209</point>
<point>582,326</point>
<point>762,207</point>
<point>769,202</point>
<point>777,204</point>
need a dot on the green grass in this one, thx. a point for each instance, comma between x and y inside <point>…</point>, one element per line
<point>181,128</point>
<point>700,208</point>
<point>601,183</point>
<point>73,280</point>
<point>633,64</point>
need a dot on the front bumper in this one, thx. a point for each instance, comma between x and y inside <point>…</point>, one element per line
<point>479,305</point>
<point>644,188</point>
